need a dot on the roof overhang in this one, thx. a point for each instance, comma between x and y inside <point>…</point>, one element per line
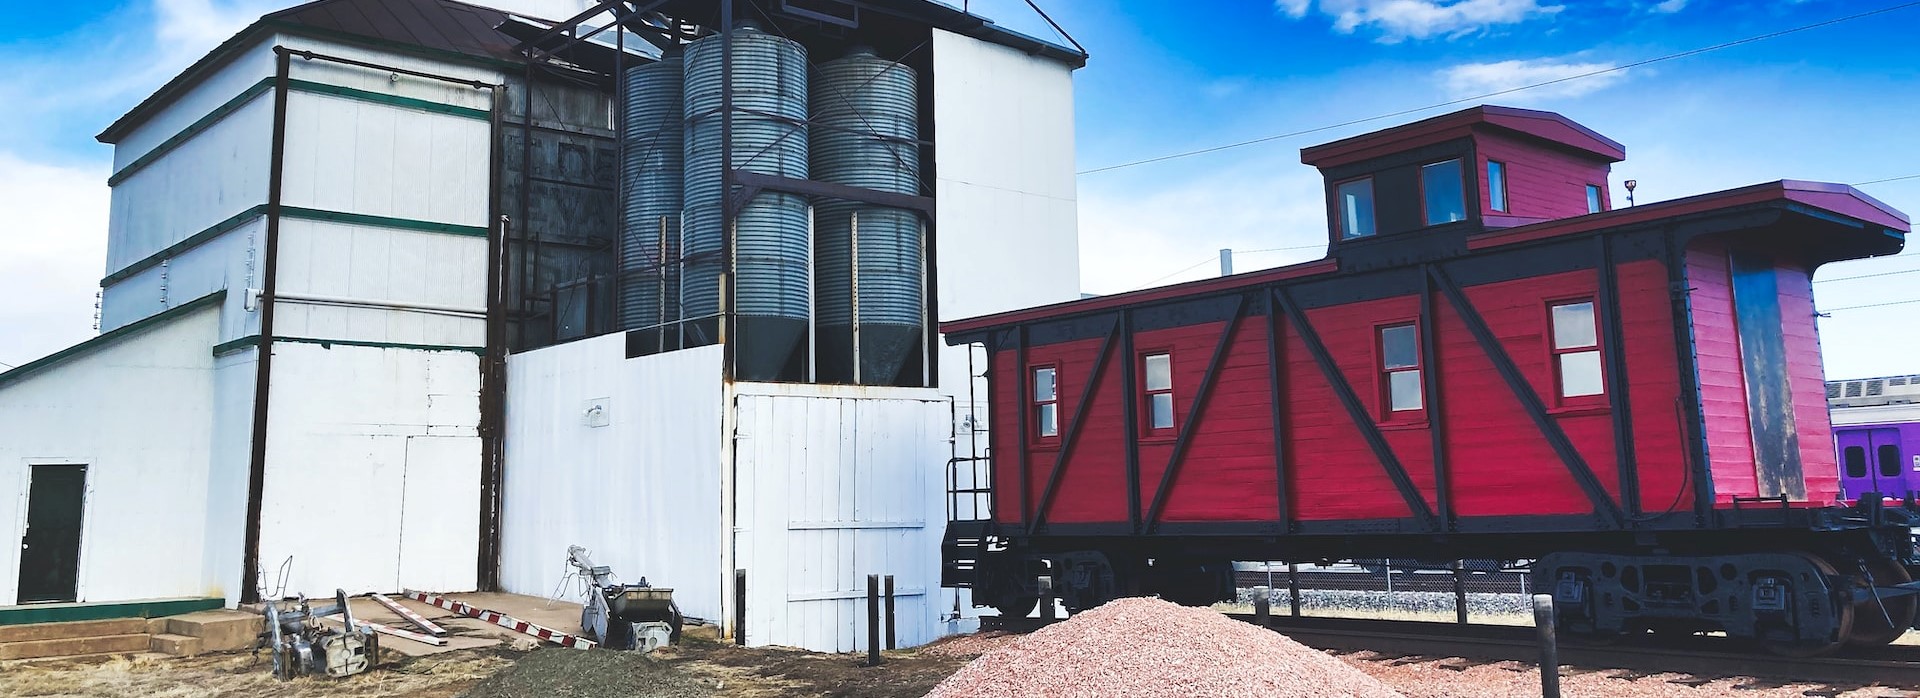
<point>1543,126</point>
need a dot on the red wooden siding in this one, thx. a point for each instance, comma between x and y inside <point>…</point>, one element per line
<point>1723,387</point>
<point>1333,473</point>
<point>1542,182</point>
<point>1646,316</point>
<point>1228,472</point>
<point>1808,377</point>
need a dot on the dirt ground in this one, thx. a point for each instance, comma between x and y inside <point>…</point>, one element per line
<point>699,667</point>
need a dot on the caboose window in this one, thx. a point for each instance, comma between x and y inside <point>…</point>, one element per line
<point>1576,349</point>
<point>1497,185</point>
<point>1889,460</point>
<point>1593,198</point>
<point>1400,364</point>
<point>1856,458</point>
<point>1445,195</point>
<point>1046,402</point>
<point>1159,390</point>
<point>1356,208</point>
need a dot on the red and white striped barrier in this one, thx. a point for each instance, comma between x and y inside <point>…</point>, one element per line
<point>503,620</point>
<point>418,621</point>
<point>396,632</point>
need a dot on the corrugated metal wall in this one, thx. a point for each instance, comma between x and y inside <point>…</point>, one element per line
<point>836,483</point>
<point>638,482</point>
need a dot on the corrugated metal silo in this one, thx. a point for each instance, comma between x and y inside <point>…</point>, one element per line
<point>655,134</point>
<point>771,238</point>
<point>870,284</point>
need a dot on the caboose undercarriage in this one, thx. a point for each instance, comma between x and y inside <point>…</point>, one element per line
<point>1812,582</point>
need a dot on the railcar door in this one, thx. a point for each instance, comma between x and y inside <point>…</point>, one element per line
<point>1871,460</point>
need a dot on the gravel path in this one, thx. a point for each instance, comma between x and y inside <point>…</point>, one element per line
<point>1148,647</point>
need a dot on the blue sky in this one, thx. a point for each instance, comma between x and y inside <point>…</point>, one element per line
<point>1837,103</point>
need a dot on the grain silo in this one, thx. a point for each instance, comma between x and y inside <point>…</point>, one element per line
<point>869,261</point>
<point>769,242</point>
<point>652,165</point>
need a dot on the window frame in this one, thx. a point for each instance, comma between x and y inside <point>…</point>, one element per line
<point>1147,392</point>
<point>1459,168</point>
<point>1340,209</point>
<point>1034,403</point>
<point>1497,199</point>
<point>1555,351</point>
<point>1596,198</point>
<point>1846,465</point>
<point>1383,376</point>
<point>1887,457</point>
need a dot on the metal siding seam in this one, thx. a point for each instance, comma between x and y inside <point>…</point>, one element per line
<point>181,247</point>
<point>244,217</point>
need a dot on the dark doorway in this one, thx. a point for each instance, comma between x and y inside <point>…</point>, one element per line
<point>50,551</point>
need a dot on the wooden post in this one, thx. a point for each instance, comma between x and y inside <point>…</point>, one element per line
<point>1293,588</point>
<point>740,607</point>
<point>1459,592</point>
<point>873,620</point>
<point>892,642</point>
<point>1549,651</point>
<point>1262,606</point>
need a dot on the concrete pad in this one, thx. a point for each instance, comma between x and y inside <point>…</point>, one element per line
<point>176,645</point>
<point>468,633</point>
<point>219,631</point>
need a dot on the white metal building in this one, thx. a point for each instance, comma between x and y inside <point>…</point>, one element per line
<point>371,465</point>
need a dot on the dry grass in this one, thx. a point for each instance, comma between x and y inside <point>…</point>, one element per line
<point>243,676</point>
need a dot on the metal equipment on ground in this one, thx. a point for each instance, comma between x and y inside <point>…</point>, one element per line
<point>302,645</point>
<point>624,616</point>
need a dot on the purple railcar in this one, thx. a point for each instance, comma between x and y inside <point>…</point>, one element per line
<point>1882,458</point>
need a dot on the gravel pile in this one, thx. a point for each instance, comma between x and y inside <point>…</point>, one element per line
<point>1149,647</point>
<point>969,646</point>
<point>1406,601</point>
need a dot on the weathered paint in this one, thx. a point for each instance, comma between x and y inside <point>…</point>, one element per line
<point>373,477</point>
<point>136,410</point>
<point>835,484</point>
<point>643,492</point>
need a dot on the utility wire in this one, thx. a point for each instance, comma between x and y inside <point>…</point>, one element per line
<point>1870,276</point>
<point>1889,179</point>
<point>1196,265</point>
<point>1463,100</point>
<point>1869,305</point>
<point>8,365</point>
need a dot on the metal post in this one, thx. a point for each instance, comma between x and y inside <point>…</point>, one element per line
<point>1262,606</point>
<point>892,642</point>
<point>1293,588</point>
<point>1549,651</point>
<point>1459,592</point>
<point>854,282</point>
<point>873,620</point>
<point>740,607</point>
<point>1389,572</point>
<point>1226,262</point>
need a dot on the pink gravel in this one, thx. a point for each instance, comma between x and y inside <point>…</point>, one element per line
<point>969,645</point>
<point>1522,680</point>
<point>1149,647</point>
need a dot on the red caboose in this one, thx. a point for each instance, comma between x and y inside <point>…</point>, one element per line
<point>1490,363</point>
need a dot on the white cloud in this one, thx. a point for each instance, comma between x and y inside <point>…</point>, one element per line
<point>1472,79</point>
<point>1670,6</point>
<point>1398,20</point>
<point>54,237</point>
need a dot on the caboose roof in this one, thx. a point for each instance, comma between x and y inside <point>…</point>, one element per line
<point>1539,125</point>
<point>1820,202</point>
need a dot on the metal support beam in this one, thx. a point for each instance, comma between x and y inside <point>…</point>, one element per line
<point>1276,388</point>
<point>263,357</point>
<point>1530,402</point>
<point>1436,403</point>
<point>1613,352</point>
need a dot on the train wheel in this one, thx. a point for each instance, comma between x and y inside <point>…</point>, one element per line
<point>1844,616</point>
<point>1871,626</point>
<point>1011,603</point>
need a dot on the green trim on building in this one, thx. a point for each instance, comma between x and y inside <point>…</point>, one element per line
<point>206,122</point>
<point>311,214</point>
<point>192,241</point>
<point>311,87</point>
<point>225,348</point>
<point>69,612</point>
<point>293,212</point>
<point>266,85</point>
<point>88,346</point>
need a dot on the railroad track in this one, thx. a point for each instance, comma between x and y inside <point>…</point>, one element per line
<point>1699,656</point>
<point>1501,582</point>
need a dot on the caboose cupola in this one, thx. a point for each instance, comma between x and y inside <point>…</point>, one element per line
<point>1415,192</point>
